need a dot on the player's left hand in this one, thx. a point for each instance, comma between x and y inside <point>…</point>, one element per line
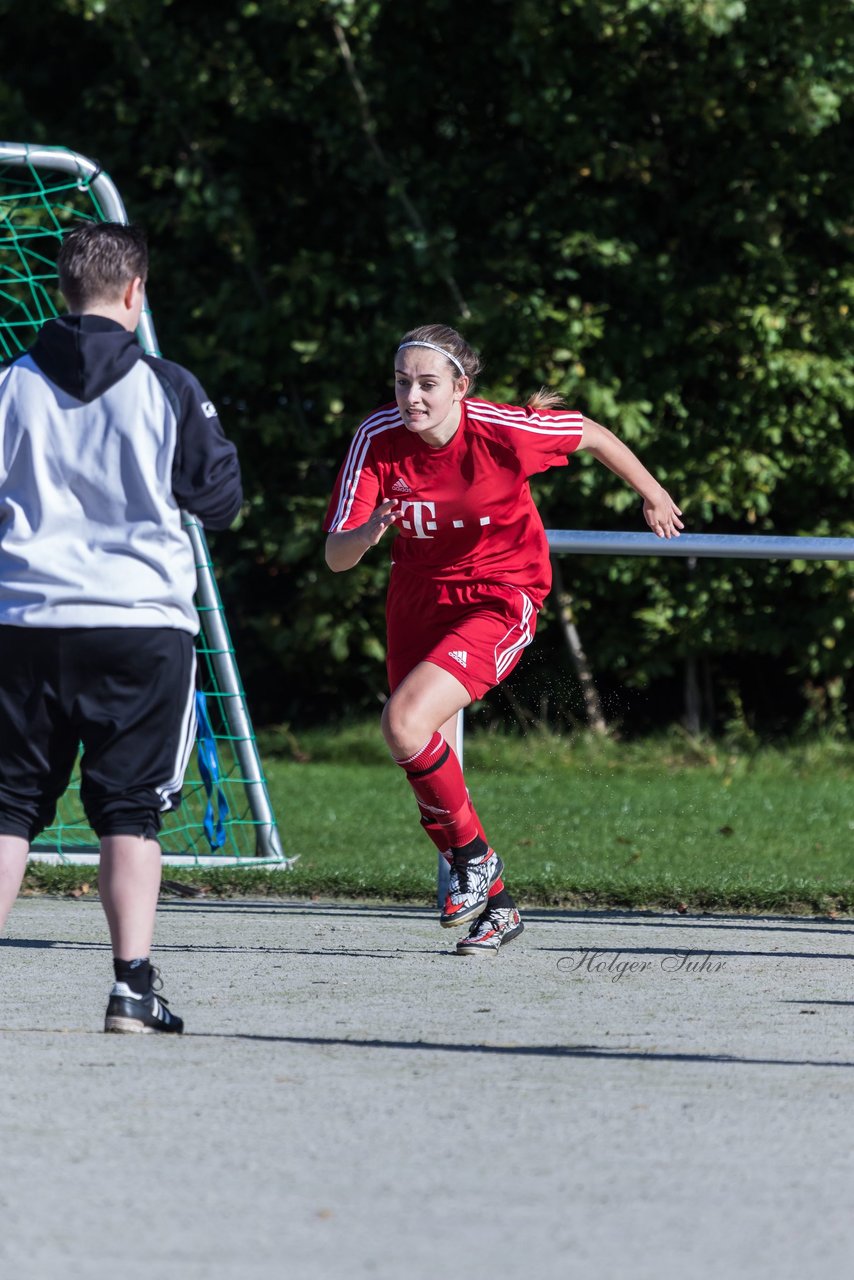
<point>662,515</point>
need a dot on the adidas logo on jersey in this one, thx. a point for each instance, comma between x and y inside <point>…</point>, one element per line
<point>459,655</point>
<point>209,409</point>
<point>400,486</point>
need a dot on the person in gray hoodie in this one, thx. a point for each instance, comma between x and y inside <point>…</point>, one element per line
<point>102,447</point>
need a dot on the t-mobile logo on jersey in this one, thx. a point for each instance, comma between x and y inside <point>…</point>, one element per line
<point>423,517</point>
<point>419,523</point>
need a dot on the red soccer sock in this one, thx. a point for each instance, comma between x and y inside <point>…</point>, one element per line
<point>440,840</point>
<point>435,776</point>
<point>480,830</point>
<point>437,835</point>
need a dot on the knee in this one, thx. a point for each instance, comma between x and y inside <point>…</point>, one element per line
<point>389,720</point>
<point>401,729</point>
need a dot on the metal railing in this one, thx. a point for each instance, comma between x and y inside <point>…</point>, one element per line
<point>730,546</point>
<point>734,546</point>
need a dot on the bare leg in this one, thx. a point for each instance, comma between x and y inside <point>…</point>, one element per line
<point>13,864</point>
<point>422,712</point>
<point>129,883</point>
<point>449,732</point>
<point>427,700</point>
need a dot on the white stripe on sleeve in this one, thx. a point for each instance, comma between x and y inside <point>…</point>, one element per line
<point>557,422</point>
<point>374,426</point>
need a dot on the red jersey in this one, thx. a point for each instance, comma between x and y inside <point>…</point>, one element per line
<point>467,514</point>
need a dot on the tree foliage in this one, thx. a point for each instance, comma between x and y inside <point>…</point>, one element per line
<point>643,204</point>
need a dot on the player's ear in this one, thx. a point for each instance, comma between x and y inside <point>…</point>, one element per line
<point>133,292</point>
<point>461,387</point>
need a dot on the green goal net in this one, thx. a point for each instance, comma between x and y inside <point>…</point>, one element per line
<point>226,816</point>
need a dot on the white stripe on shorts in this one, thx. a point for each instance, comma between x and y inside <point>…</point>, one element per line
<point>186,742</point>
<point>516,639</point>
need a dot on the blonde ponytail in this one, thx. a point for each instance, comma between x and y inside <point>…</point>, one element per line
<point>546,399</point>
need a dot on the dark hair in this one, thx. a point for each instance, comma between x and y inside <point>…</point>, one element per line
<point>98,260</point>
<point>450,342</point>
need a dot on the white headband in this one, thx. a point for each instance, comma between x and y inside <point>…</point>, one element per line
<point>453,359</point>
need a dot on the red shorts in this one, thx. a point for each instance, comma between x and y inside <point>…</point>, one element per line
<point>475,631</point>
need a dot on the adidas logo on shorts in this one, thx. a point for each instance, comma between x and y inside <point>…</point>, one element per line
<point>400,486</point>
<point>459,655</point>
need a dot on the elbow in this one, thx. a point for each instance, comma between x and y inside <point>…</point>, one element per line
<point>230,517</point>
<point>216,507</point>
<point>332,561</point>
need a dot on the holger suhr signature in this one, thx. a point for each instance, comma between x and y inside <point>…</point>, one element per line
<point>616,964</point>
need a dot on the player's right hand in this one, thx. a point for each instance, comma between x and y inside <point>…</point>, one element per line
<point>382,518</point>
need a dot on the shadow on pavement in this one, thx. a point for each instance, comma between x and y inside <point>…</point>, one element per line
<point>528,1050</point>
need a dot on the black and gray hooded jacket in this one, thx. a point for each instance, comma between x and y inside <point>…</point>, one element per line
<point>101,448</point>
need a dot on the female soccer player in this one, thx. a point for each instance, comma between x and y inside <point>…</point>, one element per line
<point>470,570</point>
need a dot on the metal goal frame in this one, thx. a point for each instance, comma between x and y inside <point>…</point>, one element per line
<point>268,846</point>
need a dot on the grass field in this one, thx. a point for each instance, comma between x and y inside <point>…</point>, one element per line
<point>668,822</point>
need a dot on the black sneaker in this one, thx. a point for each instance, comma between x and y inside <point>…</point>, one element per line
<point>129,1012</point>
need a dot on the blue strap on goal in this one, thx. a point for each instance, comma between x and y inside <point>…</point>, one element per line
<point>209,774</point>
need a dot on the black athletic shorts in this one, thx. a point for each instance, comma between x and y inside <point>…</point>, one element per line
<point>127,694</point>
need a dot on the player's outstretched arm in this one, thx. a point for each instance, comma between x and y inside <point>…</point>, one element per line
<point>660,511</point>
<point>345,550</point>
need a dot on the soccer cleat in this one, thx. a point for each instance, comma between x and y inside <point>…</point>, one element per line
<point>469,887</point>
<point>128,1012</point>
<point>490,931</point>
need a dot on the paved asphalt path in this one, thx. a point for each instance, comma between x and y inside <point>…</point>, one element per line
<point>615,1097</point>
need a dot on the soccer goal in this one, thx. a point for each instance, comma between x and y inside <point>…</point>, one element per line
<point>226,817</point>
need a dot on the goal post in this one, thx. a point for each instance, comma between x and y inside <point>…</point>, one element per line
<point>226,816</point>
